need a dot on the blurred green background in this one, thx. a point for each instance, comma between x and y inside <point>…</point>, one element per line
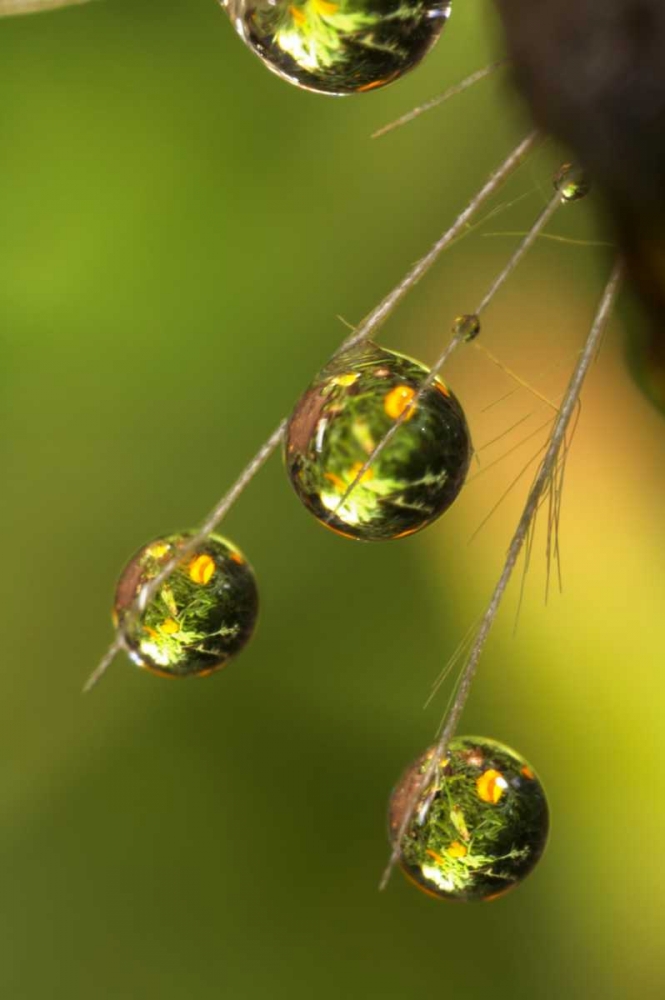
<point>179,232</point>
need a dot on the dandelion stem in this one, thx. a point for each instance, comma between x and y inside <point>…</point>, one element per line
<point>219,511</point>
<point>457,88</point>
<point>103,665</point>
<point>8,7</point>
<point>521,250</point>
<point>453,344</point>
<point>366,329</point>
<point>541,483</point>
<point>492,184</point>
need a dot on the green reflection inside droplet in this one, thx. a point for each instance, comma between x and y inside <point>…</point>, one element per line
<point>341,47</point>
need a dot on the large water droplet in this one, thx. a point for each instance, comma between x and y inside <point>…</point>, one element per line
<point>341,419</point>
<point>342,47</point>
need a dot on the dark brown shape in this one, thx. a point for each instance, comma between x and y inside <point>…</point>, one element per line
<point>593,72</point>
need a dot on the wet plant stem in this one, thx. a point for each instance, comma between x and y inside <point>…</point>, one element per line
<point>541,484</point>
<point>369,326</point>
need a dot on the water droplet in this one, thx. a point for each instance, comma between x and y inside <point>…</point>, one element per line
<point>201,616</point>
<point>479,828</point>
<point>340,420</point>
<point>341,47</point>
<point>466,326</point>
<point>571,182</point>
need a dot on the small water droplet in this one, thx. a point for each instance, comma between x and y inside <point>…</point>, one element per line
<point>571,182</point>
<point>466,326</point>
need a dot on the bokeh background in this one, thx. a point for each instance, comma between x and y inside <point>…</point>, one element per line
<point>180,231</point>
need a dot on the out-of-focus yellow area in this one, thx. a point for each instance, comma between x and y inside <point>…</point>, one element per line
<point>179,231</point>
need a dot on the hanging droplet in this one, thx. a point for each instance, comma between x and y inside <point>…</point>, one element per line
<point>480,826</point>
<point>571,182</point>
<point>339,46</point>
<point>341,419</point>
<point>201,616</point>
<point>466,326</point>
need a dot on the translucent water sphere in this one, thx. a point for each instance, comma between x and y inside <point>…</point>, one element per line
<point>479,827</point>
<point>466,326</point>
<point>571,182</point>
<point>341,47</point>
<point>341,419</point>
<point>201,616</point>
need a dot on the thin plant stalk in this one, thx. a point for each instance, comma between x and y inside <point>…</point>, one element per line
<point>522,249</point>
<point>490,187</point>
<point>541,483</point>
<point>9,7</point>
<point>364,331</point>
<point>457,339</point>
<point>219,511</point>
<point>457,88</point>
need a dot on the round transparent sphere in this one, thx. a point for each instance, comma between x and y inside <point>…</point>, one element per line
<point>467,326</point>
<point>339,421</point>
<point>201,616</point>
<point>480,826</point>
<point>339,46</point>
<point>571,182</point>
